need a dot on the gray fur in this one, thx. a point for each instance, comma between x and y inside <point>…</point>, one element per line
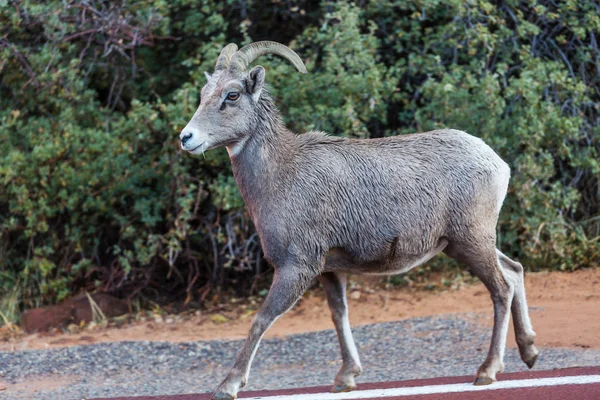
<point>327,206</point>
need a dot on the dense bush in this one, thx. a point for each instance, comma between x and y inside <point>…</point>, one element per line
<point>95,193</point>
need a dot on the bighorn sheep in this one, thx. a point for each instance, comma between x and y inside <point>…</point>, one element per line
<point>329,206</point>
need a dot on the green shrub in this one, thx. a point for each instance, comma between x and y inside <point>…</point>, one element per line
<point>95,193</point>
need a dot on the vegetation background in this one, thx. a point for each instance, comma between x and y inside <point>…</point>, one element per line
<point>96,195</point>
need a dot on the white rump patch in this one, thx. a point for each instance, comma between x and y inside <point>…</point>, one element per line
<point>502,188</point>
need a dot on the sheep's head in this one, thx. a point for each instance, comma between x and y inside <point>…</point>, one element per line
<point>229,98</point>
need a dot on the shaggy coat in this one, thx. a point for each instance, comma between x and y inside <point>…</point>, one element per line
<point>327,206</point>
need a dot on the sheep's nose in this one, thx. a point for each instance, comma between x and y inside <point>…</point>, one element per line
<point>185,136</point>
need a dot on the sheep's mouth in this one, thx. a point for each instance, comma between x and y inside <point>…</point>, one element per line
<point>197,147</point>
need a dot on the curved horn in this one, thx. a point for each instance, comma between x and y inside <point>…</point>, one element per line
<point>252,51</point>
<point>225,56</point>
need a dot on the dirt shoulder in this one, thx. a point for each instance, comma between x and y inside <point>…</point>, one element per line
<point>564,308</point>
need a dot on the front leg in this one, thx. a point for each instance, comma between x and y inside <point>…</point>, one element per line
<point>288,285</point>
<point>334,284</point>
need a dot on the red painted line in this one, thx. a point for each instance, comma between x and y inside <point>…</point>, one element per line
<point>564,392</point>
<point>432,381</point>
<point>537,392</point>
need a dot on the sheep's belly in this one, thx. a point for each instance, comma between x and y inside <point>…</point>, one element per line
<point>339,260</point>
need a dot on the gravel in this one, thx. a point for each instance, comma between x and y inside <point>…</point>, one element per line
<point>416,348</point>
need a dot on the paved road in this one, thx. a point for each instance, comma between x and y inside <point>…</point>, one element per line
<point>573,383</point>
<point>446,345</point>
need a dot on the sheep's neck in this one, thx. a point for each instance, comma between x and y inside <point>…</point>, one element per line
<point>264,159</point>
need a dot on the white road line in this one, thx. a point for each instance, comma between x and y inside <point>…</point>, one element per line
<point>452,388</point>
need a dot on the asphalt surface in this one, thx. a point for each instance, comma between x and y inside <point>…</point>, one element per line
<point>582,383</point>
<point>426,347</point>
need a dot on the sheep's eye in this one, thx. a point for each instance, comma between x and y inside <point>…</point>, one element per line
<point>233,96</point>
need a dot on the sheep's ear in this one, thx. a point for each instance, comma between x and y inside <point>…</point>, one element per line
<point>208,76</point>
<point>256,80</point>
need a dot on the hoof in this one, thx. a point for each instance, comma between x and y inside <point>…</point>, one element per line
<point>342,388</point>
<point>531,362</point>
<point>483,380</point>
<point>222,396</point>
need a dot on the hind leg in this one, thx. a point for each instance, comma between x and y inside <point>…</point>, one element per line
<point>524,333</point>
<point>482,260</point>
